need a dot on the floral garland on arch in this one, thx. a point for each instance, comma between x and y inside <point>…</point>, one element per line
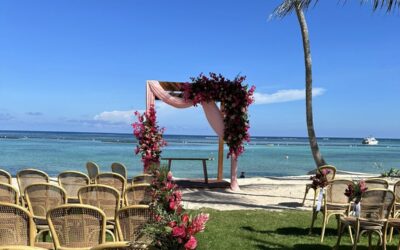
<point>235,99</point>
<point>149,136</point>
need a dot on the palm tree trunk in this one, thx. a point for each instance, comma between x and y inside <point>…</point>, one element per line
<point>319,160</point>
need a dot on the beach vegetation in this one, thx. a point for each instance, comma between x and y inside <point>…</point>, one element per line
<point>392,172</point>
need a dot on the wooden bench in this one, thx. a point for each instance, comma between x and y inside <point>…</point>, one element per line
<point>204,160</point>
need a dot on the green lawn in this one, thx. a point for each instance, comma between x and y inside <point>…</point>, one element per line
<point>260,229</point>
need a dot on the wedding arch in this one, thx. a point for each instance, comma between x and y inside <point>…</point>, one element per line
<point>175,94</point>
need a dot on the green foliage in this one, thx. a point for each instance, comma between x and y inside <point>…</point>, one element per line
<point>393,172</point>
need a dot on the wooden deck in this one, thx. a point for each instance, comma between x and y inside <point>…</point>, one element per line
<point>199,183</point>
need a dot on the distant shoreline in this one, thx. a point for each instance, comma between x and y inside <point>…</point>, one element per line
<point>192,135</point>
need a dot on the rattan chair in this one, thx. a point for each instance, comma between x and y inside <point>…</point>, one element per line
<point>114,180</point>
<point>142,179</point>
<point>104,197</point>
<point>5,177</point>
<point>329,177</point>
<point>335,203</point>
<point>373,183</point>
<point>376,205</point>
<point>396,207</point>
<point>30,176</point>
<point>9,247</point>
<point>77,226</point>
<point>9,194</point>
<point>130,223</point>
<point>16,226</point>
<point>119,168</point>
<point>138,194</point>
<point>119,245</point>
<point>41,198</point>
<point>93,170</point>
<point>72,181</point>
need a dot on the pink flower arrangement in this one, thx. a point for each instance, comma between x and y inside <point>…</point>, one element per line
<point>174,228</point>
<point>235,99</point>
<point>354,191</point>
<point>149,136</point>
<point>319,180</point>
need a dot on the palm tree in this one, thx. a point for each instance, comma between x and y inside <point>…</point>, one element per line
<point>287,7</point>
<point>281,11</point>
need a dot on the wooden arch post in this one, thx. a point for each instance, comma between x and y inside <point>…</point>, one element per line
<point>220,174</point>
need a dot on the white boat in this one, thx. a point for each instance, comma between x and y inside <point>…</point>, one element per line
<point>370,141</point>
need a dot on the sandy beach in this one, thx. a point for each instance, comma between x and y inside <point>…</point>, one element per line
<point>273,193</point>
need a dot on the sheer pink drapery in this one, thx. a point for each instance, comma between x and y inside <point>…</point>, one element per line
<point>211,110</point>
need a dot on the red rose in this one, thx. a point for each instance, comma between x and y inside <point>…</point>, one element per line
<point>179,232</point>
<point>172,224</point>
<point>172,205</point>
<point>191,244</point>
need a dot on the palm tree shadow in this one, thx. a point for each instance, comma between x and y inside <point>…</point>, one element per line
<point>296,231</point>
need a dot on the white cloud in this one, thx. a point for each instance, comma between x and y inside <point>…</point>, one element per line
<point>116,116</point>
<point>285,95</point>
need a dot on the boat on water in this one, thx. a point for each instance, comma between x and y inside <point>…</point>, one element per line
<point>370,141</point>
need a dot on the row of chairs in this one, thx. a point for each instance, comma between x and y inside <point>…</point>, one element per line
<point>379,209</point>
<point>42,196</point>
<point>74,226</point>
<point>71,181</point>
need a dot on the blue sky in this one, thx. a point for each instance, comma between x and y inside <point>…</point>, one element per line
<point>83,65</point>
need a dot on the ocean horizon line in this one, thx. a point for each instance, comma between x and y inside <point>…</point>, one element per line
<point>191,135</point>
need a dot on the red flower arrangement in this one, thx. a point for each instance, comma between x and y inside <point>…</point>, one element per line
<point>319,180</point>
<point>354,191</point>
<point>235,99</point>
<point>173,227</point>
<point>149,136</point>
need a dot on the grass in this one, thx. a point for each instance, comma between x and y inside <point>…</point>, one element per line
<point>261,230</point>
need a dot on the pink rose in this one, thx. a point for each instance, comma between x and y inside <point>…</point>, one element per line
<point>172,205</point>
<point>185,218</point>
<point>191,244</point>
<point>179,232</point>
<point>169,176</point>
<point>172,224</point>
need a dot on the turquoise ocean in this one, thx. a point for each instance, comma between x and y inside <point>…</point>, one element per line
<point>54,152</point>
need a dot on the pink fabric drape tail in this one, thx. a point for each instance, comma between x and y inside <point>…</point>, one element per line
<point>234,182</point>
<point>214,117</point>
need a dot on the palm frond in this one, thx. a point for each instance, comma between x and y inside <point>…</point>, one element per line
<point>390,5</point>
<point>288,6</point>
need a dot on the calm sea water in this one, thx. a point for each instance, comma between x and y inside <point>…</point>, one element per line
<point>54,152</point>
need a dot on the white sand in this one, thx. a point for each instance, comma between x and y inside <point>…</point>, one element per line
<point>273,193</point>
<point>259,193</point>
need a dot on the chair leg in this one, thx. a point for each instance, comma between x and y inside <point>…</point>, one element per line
<point>357,237</point>
<point>351,235</point>
<point>342,227</point>
<point>384,237</point>
<point>305,193</point>
<point>313,218</point>
<point>324,222</point>
<point>369,240</point>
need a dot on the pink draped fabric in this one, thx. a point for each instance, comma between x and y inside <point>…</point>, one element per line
<point>211,110</point>
<point>234,182</point>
